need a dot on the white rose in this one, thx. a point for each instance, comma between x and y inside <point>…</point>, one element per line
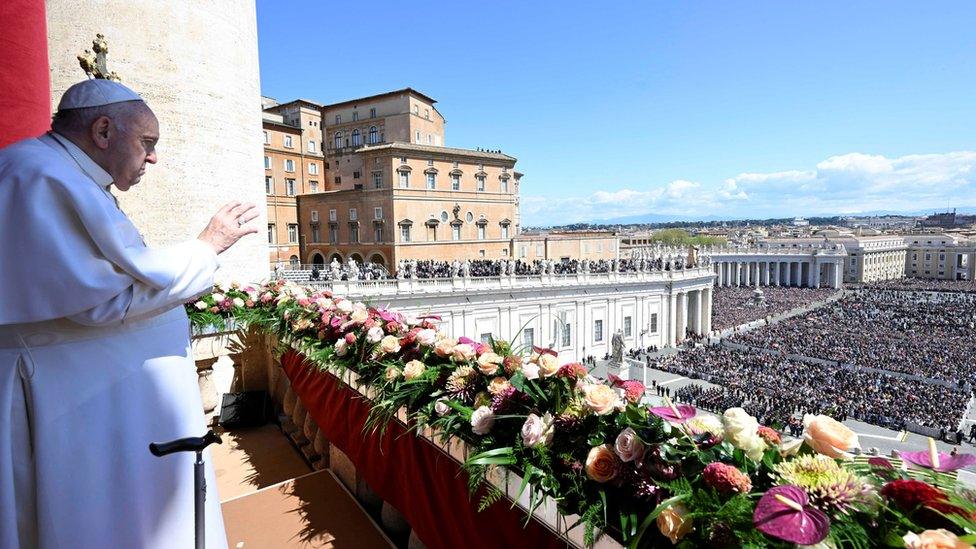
<point>482,420</point>
<point>426,337</point>
<point>238,302</point>
<point>389,344</point>
<point>548,365</point>
<point>344,306</point>
<point>219,297</point>
<point>537,430</point>
<point>441,407</point>
<point>706,424</point>
<point>628,446</point>
<point>341,348</point>
<point>200,305</point>
<point>530,370</point>
<point>742,430</point>
<point>374,335</point>
<point>325,303</point>
<point>413,369</point>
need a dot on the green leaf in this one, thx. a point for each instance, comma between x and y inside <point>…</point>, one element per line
<point>498,456</point>
<point>525,482</point>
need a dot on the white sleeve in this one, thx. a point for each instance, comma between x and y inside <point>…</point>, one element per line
<point>194,278</point>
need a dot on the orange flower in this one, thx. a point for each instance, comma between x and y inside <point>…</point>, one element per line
<point>602,464</point>
<point>828,436</point>
<point>934,539</point>
<point>674,522</point>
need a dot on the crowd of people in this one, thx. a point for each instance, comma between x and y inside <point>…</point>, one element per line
<point>735,305</point>
<point>778,390</point>
<point>924,334</point>
<point>922,284</point>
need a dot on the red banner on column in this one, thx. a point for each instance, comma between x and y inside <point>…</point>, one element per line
<point>25,82</point>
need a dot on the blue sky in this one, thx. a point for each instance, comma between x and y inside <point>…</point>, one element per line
<point>681,108</point>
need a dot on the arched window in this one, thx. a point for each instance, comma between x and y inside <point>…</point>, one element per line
<point>355,138</point>
<point>372,135</point>
<point>338,140</point>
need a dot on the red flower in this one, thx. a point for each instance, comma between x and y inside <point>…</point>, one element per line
<point>726,479</point>
<point>512,364</point>
<point>769,435</point>
<point>914,495</point>
<point>572,370</point>
<point>393,327</point>
<point>633,391</point>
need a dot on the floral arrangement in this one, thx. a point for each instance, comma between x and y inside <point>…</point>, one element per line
<point>648,476</point>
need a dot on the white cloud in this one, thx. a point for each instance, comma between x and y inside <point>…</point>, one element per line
<point>847,183</point>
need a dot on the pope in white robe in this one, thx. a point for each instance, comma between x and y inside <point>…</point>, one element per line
<point>95,360</point>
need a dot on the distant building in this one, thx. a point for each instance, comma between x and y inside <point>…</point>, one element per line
<point>800,222</point>
<point>394,191</point>
<point>940,256</point>
<point>293,165</point>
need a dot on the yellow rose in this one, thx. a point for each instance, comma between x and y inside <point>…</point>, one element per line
<point>828,436</point>
<point>600,398</point>
<point>674,522</point>
<point>413,369</point>
<point>548,365</point>
<point>389,344</point>
<point>602,464</point>
<point>498,385</point>
<point>934,539</point>
<point>391,373</point>
<point>463,352</point>
<point>488,363</point>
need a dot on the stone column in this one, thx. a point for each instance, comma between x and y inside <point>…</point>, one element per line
<point>758,273</point>
<point>769,267</point>
<point>697,311</point>
<point>738,273</point>
<point>673,319</point>
<point>816,274</point>
<point>789,273</point>
<point>682,315</point>
<point>839,274</point>
<point>706,311</point>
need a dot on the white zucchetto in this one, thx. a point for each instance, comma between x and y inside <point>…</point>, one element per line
<point>95,93</point>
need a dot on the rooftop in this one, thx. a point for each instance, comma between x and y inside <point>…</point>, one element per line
<point>398,146</point>
<point>411,91</point>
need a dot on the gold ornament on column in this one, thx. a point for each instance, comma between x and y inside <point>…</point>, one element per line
<point>94,61</point>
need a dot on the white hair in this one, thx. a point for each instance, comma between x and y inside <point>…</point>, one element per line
<point>79,121</point>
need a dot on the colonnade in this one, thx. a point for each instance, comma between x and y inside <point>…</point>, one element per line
<point>779,272</point>
<point>690,313</point>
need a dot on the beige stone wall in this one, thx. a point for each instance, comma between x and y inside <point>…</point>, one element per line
<point>565,246</point>
<point>196,64</point>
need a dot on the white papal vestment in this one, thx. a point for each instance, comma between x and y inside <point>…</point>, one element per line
<point>94,363</point>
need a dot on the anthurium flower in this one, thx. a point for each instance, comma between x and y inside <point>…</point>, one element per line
<point>785,513</point>
<point>946,463</point>
<point>675,413</point>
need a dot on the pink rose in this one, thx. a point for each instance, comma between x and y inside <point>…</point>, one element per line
<point>628,446</point>
<point>599,398</point>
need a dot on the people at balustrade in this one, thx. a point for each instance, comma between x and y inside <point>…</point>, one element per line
<point>95,359</point>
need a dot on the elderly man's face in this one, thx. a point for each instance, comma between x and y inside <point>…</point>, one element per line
<point>133,147</point>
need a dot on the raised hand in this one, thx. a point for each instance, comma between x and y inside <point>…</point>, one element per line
<point>228,225</point>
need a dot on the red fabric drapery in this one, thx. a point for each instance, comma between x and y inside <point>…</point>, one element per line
<point>25,86</point>
<point>409,472</point>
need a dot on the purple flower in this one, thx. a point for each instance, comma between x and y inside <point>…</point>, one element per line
<point>784,513</point>
<point>684,413</point>
<point>947,462</point>
<point>466,340</point>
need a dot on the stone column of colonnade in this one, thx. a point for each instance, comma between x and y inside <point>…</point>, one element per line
<point>682,316</point>
<point>706,311</point>
<point>695,311</point>
<point>673,319</point>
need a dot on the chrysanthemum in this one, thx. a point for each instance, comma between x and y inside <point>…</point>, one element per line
<point>831,487</point>
<point>461,383</point>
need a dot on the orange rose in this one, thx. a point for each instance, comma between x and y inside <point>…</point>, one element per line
<point>674,522</point>
<point>600,398</point>
<point>828,436</point>
<point>488,363</point>
<point>548,365</point>
<point>498,385</point>
<point>602,464</point>
<point>934,539</point>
